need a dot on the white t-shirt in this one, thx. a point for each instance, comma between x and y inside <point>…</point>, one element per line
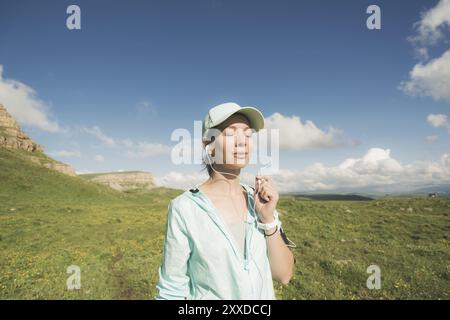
<point>238,232</point>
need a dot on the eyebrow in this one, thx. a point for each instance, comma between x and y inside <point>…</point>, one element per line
<point>233,126</point>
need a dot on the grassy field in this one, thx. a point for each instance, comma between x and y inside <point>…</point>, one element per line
<point>49,221</point>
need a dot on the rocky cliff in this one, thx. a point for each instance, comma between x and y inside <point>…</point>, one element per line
<point>12,137</point>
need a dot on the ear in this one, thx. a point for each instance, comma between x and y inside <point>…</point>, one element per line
<point>209,147</point>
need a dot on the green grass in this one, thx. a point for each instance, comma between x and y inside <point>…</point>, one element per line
<point>338,240</point>
<point>49,221</point>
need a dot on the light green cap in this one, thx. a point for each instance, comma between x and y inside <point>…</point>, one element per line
<point>218,114</point>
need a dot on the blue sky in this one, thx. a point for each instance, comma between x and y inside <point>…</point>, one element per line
<point>137,70</point>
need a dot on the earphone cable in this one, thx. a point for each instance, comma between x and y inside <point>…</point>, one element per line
<point>245,222</point>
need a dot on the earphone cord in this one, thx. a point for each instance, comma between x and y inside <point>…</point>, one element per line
<point>212,167</point>
<point>245,221</point>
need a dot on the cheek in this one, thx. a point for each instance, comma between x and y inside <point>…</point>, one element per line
<point>250,145</point>
<point>224,147</point>
<point>228,145</point>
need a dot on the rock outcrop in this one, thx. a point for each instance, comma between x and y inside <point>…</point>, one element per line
<point>52,164</point>
<point>12,137</point>
<point>124,181</point>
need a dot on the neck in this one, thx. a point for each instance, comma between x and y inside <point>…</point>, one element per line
<point>226,180</point>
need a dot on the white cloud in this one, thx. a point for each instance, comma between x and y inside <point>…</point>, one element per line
<point>22,102</point>
<point>437,120</point>
<point>429,30</point>
<point>375,161</point>
<point>181,180</point>
<point>96,132</point>
<point>145,149</point>
<point>66,154</point>
<point>297,135</point>
<point>376,170</point>
<point>422,54</point>
<point>99,158</point>
<point>132,149</point>
<point>430,79</point>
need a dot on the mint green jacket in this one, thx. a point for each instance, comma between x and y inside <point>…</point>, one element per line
<point>201,258</point>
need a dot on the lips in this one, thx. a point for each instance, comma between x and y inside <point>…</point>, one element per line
<point>240,154</point>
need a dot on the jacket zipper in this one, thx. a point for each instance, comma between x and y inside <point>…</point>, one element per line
<point>219,221</point>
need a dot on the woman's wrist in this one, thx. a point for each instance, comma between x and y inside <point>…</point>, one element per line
<point>270,218</point>
<point>271,232</point>
<point>267,220</point>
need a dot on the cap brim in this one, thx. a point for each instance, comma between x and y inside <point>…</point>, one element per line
<point>254,116</point>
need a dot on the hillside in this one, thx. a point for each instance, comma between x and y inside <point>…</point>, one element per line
<point>127,181</point>
<point>49,221</point>
<point>24,181</point>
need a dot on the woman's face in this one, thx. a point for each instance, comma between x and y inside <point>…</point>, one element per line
<point>234,143</point>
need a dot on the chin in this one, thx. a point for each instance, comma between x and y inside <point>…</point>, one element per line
<point>236,166</point>
<point>237,163</point>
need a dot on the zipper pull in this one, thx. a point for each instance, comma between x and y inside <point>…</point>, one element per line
<point>246,266</point>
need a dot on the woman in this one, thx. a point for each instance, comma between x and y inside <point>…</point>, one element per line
<point>223,237</point>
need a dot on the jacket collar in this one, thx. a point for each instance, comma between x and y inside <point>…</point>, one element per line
<point>200,198</point>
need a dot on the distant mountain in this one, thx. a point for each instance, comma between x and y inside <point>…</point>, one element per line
<point>442,189</point>
<point>331,196</point>
<point>370,193</point>
<point>124,181</point>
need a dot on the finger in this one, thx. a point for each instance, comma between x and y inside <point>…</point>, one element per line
<point>266,183</point>
<point>269,193</point>
<point>265,195</point>
<point>269,186</point>
<point>260,193</point>
<point>262,187</point>
<point>257,185</point>
<point>267,178</point>
<point>260,183</point>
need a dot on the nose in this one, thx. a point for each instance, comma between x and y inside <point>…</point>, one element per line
<point>241,139</point>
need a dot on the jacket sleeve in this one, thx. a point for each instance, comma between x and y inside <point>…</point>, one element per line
<point>173,273</point>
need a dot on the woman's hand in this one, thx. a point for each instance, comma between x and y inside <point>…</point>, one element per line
<point>266,198</point>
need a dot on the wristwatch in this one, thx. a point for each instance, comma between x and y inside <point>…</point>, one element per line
<point>270,225</point>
